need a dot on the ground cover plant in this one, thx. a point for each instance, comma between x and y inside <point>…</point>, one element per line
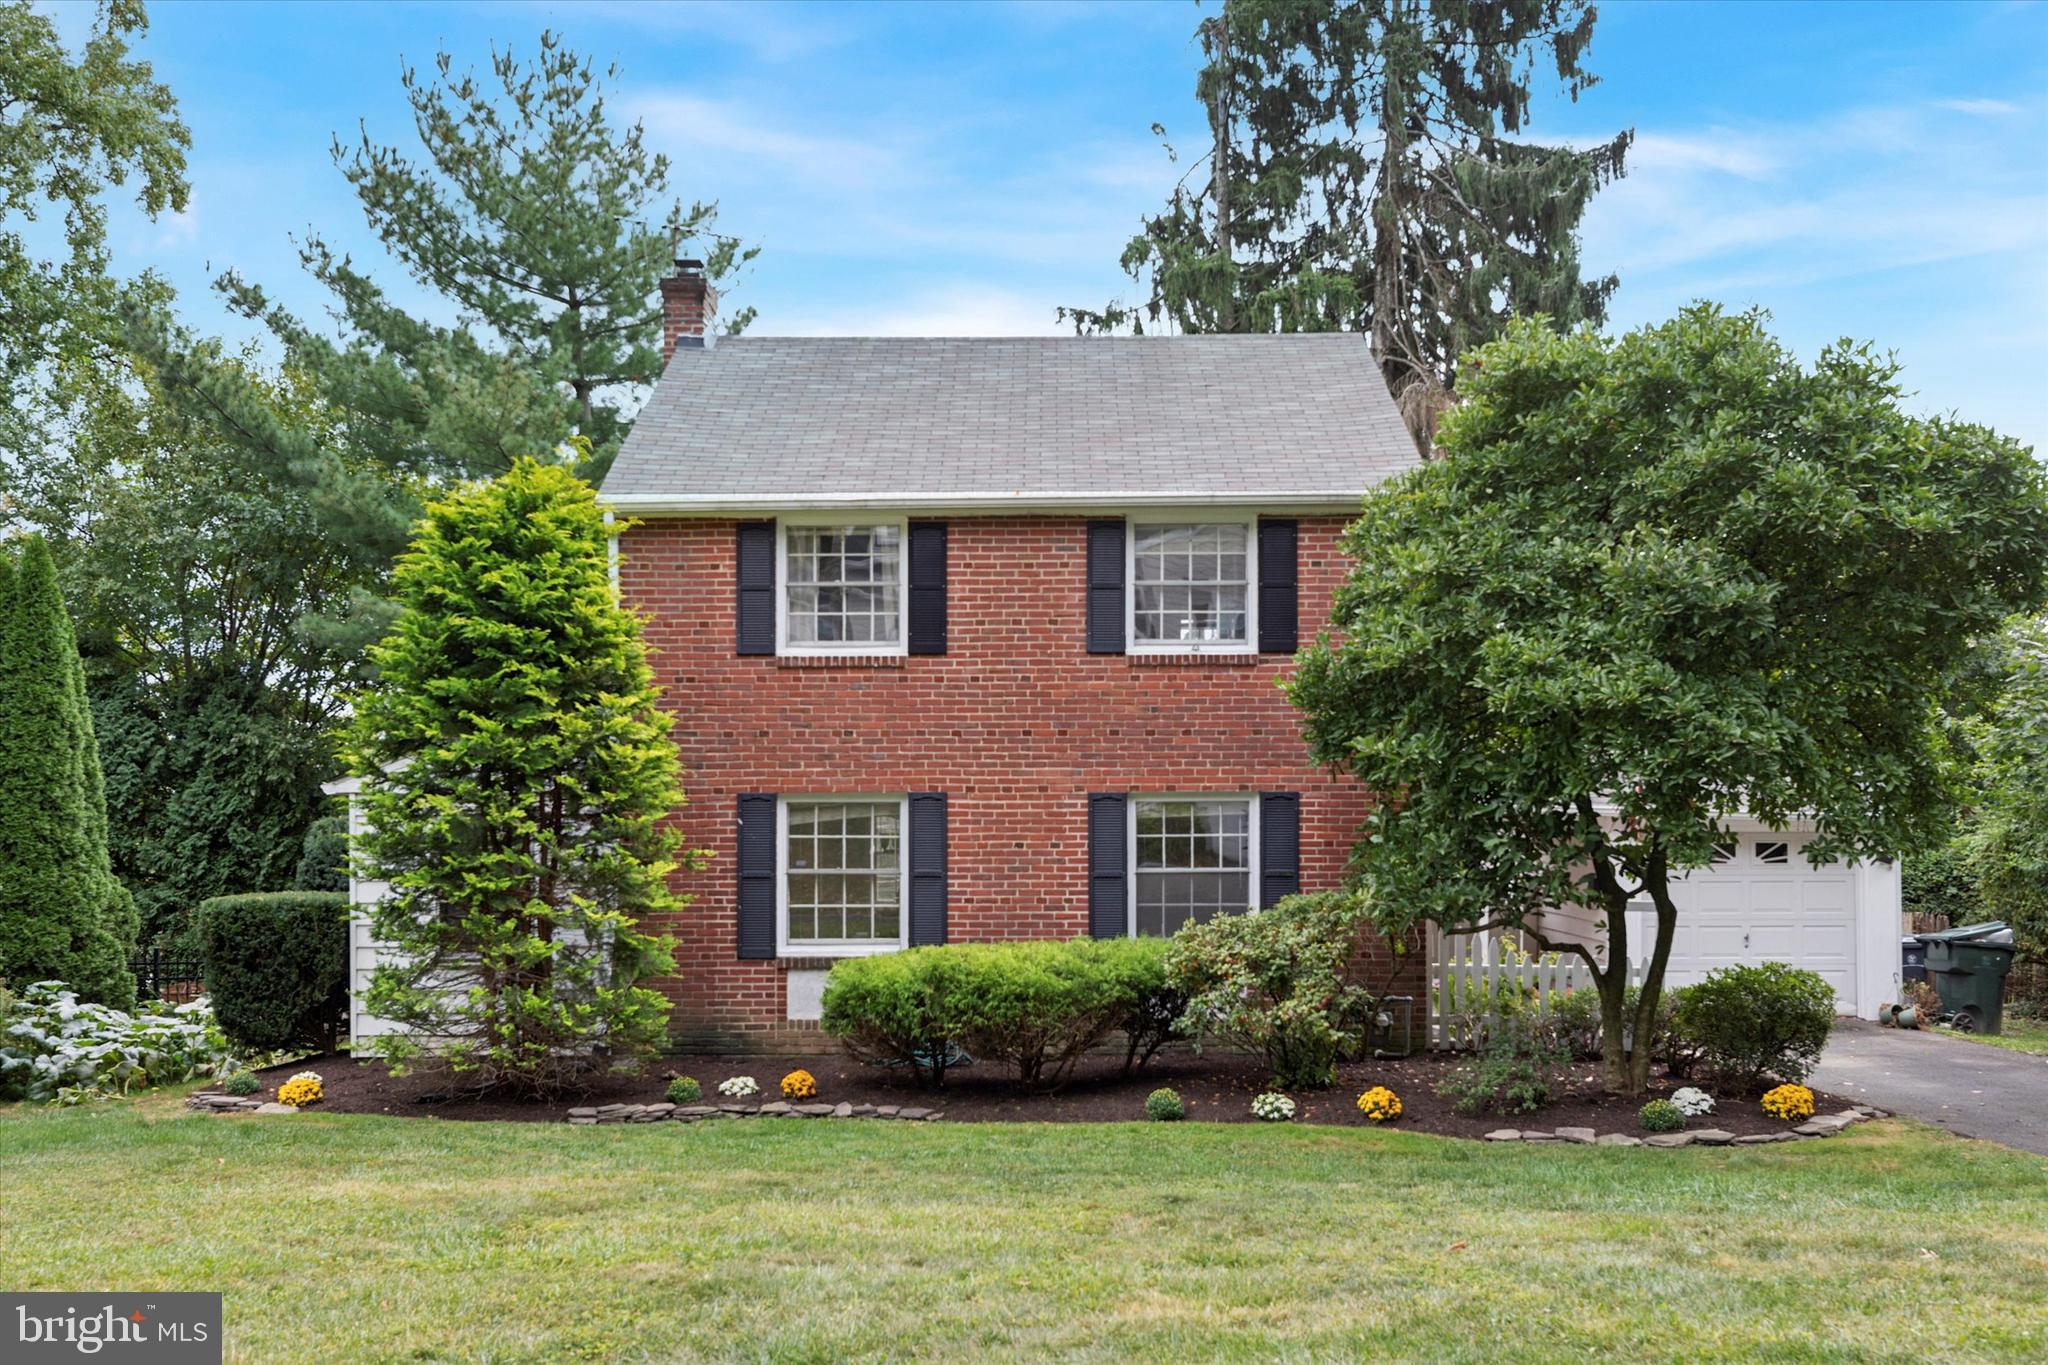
<point>1098,1242</point>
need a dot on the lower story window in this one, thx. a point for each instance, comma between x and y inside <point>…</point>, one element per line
<point>843,874</point>
<point>1193,860</point>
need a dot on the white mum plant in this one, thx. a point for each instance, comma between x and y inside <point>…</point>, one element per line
<point>738,1087</point>
<point>1273,1107</point>
<point>1692,1101</point>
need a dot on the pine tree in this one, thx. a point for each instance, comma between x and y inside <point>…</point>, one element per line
<point>518,768</point>
<point>1364,174</point>
<point>546,227</point>
<point>63,916</point>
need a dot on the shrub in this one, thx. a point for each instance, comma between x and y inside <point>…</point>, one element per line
<point>1380,1104</point>
<point>277,968</point>
<point>1574,1018</point>
<point>301,1090</point>
<point>1661,1116</point>
<point>1035,1008</point>
<point>1274,984</point>
<point>1514,1072</point>
<point>241,1083</point>
<point>1164,1106</point>
<point>1789,1102</point>
<point>684,1090</point>
<point>53,1043</point>
<point>799,1085</point>
<point>1273,1107</point>
<point>1744,1024</point>
<point>323,856</point>
<point>1692,1101</point>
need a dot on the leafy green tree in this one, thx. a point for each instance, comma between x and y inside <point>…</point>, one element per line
<point>63,916</point>
<point>1364,173</point>
<point>547,228</point>
<point>2008,842</point>
<point>519,768</point>
<point>1652,583</point>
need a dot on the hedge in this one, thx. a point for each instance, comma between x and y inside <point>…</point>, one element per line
<point>1035,1008</point>
<point>276,966</point>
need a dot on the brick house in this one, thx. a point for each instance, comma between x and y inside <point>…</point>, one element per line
<point>981,638</point>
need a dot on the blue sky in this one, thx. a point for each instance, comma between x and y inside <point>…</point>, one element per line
<point>1869,170</point>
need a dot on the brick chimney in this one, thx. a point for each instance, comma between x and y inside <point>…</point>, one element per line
<point>689,305</point>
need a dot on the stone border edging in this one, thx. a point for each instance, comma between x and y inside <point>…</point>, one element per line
<point>1819,1126</point>
<point>774,1109</point>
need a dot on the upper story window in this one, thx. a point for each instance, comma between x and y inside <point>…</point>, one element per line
<point>1191,586</point>
<point>842,875</point>
<point>842,588</point>
<point>1194,860</point>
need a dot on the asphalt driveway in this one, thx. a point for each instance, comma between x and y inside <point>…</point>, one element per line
<point>1969,1089</point>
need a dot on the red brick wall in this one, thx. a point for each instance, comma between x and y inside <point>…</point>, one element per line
<point>1016,723</point>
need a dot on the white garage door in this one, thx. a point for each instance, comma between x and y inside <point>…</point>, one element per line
<point>1761,903</point>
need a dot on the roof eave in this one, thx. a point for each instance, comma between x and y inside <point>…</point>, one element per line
<point>761,503</point>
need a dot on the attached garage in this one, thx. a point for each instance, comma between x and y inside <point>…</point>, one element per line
<point>1762,901</point>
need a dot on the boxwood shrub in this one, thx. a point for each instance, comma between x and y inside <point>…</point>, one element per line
<point>1033,1007</point>
<point>276,966</point>
<point>1743,1025</point>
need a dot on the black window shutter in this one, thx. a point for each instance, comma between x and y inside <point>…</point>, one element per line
<point>754,562</point>
<point>1279,846</point>
<point>1109,914</point>
<point>1106,587</point>
<point>1279,585</point>
<point>927,587</point>
<point>757,875</point>
<point>927,868</point>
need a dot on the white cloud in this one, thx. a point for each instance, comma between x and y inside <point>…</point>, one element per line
<point>691,126</point>
<point>1981,108</point>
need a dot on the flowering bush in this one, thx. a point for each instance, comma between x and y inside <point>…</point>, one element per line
<point>1164,1106</point>
<point>1661,1116</point>
<point>241,1083</point>
<point>1692,1101</point>
<point>737,1087</point>
<point>1789,1102</point>
<point>684,1090</point>
<point>799,1085</point>
<point>1273,1107</point>
<point>49,1042</point>
<point>1380,1104</point>
<point>301,1090</point>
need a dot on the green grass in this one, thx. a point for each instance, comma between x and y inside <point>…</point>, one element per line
<point>2020,1035</point>
<point>356,1238</point>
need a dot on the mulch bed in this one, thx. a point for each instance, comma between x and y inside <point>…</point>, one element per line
<point>1217,1088</point>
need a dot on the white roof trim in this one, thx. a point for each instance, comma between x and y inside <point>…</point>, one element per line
<point>711,503</point>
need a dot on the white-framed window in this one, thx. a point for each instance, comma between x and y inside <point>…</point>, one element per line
<point>840,586</point>
<point>1193,857</point>
<point>841,887</point>
<point>1191,586</point>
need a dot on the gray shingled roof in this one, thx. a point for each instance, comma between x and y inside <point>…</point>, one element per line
<point>780,421</point>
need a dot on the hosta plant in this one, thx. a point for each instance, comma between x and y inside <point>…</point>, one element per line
<point>739,1087</point>
<point>50,1042</point>
<point>1692,1101</point>
<point>1273,1107</point>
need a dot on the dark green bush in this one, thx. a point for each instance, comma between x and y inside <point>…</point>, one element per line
<point>1515,1070</point>
<point>1942,884</point>
<point>1746,1024</point>
<point>1164,1106</point>
<point>241,1083</point>
<point>1275,984</point>
<point>684,1090</point>
<point>277,968</point>
<point>323,855</point>
<point>1035,1008</point>
<point>1661,1116</point>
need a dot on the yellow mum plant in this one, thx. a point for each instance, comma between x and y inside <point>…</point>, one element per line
<point>301,1090</point>
<point>1789,1102</point>
<point>799,1085</point>
<point>1380,1104</point>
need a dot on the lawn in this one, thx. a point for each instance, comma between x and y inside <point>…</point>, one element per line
<point>361,1238</point>
<point>2020,1035</point>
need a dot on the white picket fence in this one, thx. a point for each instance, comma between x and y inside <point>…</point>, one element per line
<point>1468,973</point>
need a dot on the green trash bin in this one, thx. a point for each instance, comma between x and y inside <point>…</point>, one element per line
<point>1968,967</point>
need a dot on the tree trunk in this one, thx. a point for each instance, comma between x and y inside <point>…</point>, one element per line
<point>1219,166</point>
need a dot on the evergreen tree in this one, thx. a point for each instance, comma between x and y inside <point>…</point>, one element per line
<point>63,916</point>
<point>1364,174</point>
<point>546,227</point>
<point>518,769</point>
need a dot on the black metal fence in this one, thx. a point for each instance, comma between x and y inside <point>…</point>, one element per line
<point>164,975</point>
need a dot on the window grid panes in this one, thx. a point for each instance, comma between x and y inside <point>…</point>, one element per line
<point>1190,584</point>
<point>844,585</point>
<point>1194,862</point>
<point>845,872</point>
